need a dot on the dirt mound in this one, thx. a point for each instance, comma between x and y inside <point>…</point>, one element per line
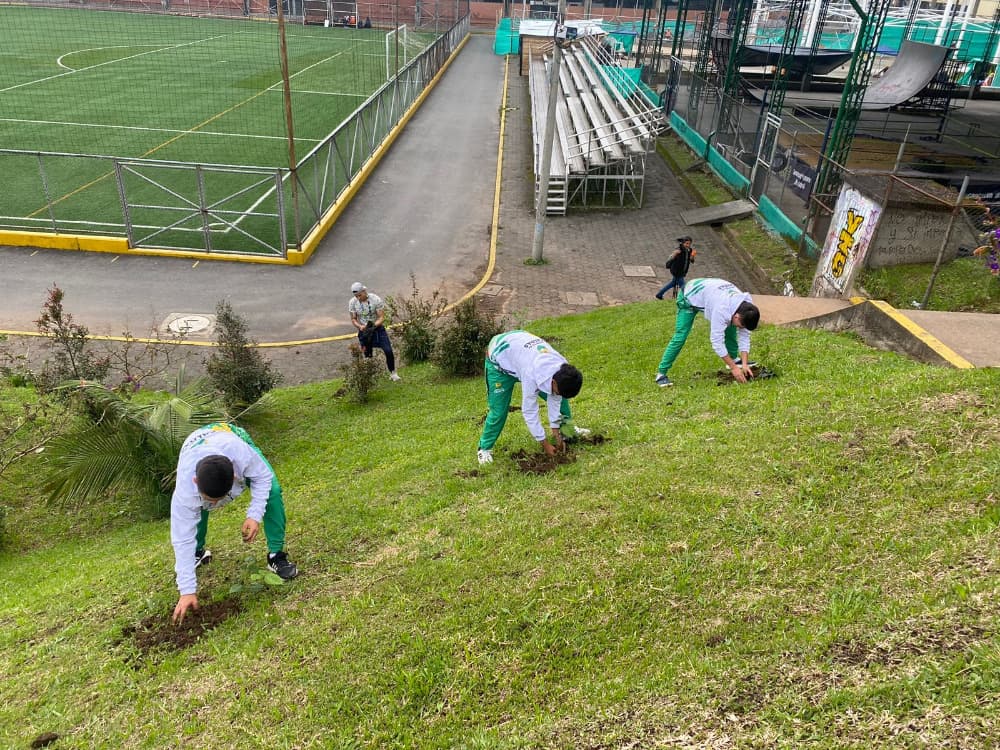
<point>158,631</point>
<point>725,376</point>
<point>541,463</point>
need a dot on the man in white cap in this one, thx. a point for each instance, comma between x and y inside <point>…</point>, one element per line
<point>368,314</point>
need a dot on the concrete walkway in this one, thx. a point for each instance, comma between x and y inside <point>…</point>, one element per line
<point>429,210</point>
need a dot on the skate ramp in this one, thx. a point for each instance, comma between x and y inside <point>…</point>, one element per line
<point>915,66</point>
<point>762,55</point>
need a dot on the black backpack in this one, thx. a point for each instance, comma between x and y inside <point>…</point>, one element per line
<point>680,263</point>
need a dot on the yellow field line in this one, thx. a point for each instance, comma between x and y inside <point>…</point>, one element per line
<point>153,150</point>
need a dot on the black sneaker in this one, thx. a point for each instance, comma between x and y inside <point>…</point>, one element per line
<point>202,557</point>
<point>279,563</point>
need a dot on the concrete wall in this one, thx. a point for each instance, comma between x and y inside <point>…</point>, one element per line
<point>914,235</point>
<point>484,15</point>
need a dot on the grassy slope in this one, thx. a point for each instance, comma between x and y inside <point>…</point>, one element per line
<point>807,561</point>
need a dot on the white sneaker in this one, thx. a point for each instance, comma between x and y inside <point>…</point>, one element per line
<point>581,431</point>
<point>394,376</point>
<point>485,457</point>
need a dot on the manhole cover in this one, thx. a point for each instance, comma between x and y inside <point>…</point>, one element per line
<point>638,271</point>
<point>188,324</point>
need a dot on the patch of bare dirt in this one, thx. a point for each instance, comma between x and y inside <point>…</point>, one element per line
<point>159,632</point>
<point>530,462</point>
<point>952,402</point>
<point>471,474</point>
<point>541,463</point>
<point>901,645</point>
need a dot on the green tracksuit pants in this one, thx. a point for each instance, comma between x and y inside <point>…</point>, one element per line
<point>274,514</point>
<point>685,319</point>
<point>499,389</point>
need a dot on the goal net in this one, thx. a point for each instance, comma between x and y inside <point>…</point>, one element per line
<point>396,51</point>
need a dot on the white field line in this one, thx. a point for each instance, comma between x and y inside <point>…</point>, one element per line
<point>273,87</point>
<point>267,193</point>
<point>59,60</point>
<point>111,62</point>
<point>150,130</point>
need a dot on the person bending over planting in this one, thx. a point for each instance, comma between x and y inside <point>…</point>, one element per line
<point>731,316</point>
<point>543,372</point>
<point>216,463</point>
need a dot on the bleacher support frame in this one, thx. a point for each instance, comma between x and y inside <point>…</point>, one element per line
<point>605,128</point>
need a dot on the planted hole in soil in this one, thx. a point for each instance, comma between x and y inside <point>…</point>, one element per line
<point>760,372</point>
<point>159,631</point>
<point>530,462</point>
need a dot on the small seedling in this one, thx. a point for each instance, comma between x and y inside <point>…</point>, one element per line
<point>256,577</point>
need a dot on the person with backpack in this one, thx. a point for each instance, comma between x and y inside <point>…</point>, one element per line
<point>367,311</point>
<point>678,263</point>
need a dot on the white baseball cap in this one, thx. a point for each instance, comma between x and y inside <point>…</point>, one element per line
<point>356,287</point>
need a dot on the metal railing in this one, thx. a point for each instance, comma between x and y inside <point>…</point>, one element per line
<point>212,208</point>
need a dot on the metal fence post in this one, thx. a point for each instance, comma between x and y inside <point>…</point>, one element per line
<point>944,243</point>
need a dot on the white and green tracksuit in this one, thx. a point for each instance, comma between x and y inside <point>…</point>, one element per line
<point>189,511</point>
<point>718,300</point>
<point>521,356</point>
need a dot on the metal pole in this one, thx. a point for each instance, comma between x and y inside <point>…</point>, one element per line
<point>541,200</point>
<point>944,243</point>
<point>289,125</point>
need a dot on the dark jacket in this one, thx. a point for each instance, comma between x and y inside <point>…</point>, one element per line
<point>679,264</point>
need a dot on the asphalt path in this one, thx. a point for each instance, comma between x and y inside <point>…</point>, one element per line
<point>426,210</point>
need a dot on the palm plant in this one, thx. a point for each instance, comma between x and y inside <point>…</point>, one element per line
<point>130,445</point>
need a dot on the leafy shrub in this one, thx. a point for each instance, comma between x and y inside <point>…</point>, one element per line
<point>236,368</point>
<point>461,344</point>
<point>131,446</point>
<point>414,318</point>
<point>361,374</point>
<point>73,357</point>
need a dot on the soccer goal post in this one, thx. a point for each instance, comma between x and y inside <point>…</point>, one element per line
<point>395,51</point>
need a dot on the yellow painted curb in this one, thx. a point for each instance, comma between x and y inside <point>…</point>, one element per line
<point>942,350</point>
<point>90,243</point>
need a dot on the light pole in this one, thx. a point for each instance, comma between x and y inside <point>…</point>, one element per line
<point>550,129</point>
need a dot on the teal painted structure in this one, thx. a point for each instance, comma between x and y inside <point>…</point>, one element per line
<point>767,210</point>
<point>505,41</point>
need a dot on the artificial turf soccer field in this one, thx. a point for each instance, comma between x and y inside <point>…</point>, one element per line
<point>174,88</point>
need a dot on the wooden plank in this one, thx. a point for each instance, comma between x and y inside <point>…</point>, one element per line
<point>719,214</point>
<point>573,64</point>
<point>570,143</point>
<point>638,120</point>
<point>538,85</point>
<point>619,123</point>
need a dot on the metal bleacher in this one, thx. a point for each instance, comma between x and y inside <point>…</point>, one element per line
<point>604,127</point>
